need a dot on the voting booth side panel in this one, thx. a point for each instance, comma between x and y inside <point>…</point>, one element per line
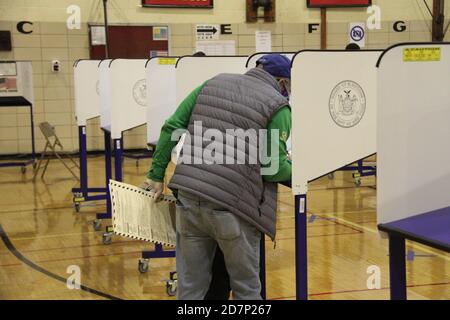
<point>105,95</point>
<point>333,110</point>
<point>128,95</point>
<point>86,90</point>
<point>194,71</point>
<point>25,80</point>
<point>413,131</point>
<point>161,95</point>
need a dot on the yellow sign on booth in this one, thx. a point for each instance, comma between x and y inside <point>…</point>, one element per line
<point>421,54</point>
<point>167,61</point>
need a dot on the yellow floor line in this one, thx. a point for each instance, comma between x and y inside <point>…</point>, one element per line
<point>375,231</point>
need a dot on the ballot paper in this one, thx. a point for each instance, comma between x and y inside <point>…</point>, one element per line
<point>136,214</point>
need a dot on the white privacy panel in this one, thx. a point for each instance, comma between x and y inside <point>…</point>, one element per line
<point>86,90</point>
<point>413,164</point>
<point>105,94</point>
<point>161,94</point>
<point>16,79</point>
<point>333,112</point>
<point>194,71</point>
<point>128,90</point>
<point>251,61</point>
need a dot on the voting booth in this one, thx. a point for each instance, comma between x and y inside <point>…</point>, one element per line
<point>86,90</point>
<point>16,90</point>
<point>123,87</point>
<point>161,93</point>
<point>334,101</point>
<point>334,112</point>
<point>123,103</point>
<point>413,155</point>
<point>194,71</point>
<point>87,106</point>
<point>127,95</point>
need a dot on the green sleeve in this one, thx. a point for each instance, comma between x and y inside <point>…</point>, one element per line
<point>163,151</point>
<point>282,121</point>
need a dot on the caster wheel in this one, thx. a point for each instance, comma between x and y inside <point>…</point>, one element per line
<point>34,165</point>
<point>143,265</point>
<point>77,207</point>
<point>97,224</point>
<point>331,176</point>
<point>358,182</point>
<point>107,238</point>
<point>171,288</point>
<point>23,169</point>
<point>137,163</point>
<point>78,195</point>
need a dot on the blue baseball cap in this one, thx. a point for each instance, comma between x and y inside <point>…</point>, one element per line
<point>277,65</point>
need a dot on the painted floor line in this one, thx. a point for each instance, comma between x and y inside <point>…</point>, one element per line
<point>364,290</point>
<point>34,266</point>
<point>412,244</point>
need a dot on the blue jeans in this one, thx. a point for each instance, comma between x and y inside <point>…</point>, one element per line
<point>201,226</point>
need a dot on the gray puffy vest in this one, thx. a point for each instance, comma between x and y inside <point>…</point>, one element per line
<point>231,101</point>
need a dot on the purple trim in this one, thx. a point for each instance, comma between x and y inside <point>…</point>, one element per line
<point>430,228</point>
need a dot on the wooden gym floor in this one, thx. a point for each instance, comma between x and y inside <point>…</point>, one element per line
<point>42,236</point>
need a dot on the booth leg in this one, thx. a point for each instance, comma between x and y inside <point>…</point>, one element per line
<point>262,266</point>
<point>33,142</point>
<point>108,171</point>
<point>118,159</point>
<point>301,253</point>
<point>83,160</point>
<point>397,267</point>
<point>108,174</point>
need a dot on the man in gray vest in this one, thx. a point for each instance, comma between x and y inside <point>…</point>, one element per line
<point>234,153</point>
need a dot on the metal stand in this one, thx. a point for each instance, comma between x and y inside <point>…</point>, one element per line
<point>81,194</point>
<point>361,171</point>
<point>301,253</point>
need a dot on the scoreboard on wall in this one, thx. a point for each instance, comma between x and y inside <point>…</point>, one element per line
<point>338,3</point>
<point>179,3</point>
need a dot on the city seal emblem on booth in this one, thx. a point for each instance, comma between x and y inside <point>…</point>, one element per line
<point>347,104</point>
<point>140,92</point>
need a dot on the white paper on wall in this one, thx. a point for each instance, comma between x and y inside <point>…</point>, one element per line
<point>98,35</point>
<point>217,48</point>
<point>263,40</point>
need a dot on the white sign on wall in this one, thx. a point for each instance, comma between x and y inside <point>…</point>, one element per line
<point>217,48</point>
<point>207,31</point>
<point>263,40</point>
<point>357,34</point>
<point>98,35</point>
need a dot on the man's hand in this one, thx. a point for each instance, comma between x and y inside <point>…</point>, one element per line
<point>156,187</point>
